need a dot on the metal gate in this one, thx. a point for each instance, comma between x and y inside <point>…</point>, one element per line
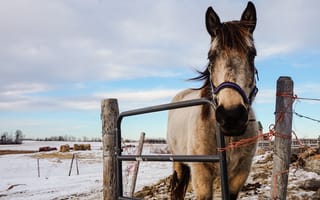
<point>221,157</point>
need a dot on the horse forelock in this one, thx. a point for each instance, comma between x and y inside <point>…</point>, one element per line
<point>233,35</point>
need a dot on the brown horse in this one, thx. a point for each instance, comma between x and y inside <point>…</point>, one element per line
<point>230,84</point>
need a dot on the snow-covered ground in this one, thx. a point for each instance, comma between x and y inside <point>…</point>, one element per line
<point>19,172</point>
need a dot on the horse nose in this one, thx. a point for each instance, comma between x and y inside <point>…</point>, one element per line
<point>232,118</point>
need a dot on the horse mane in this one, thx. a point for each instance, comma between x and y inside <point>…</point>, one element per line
<point>234,35</point>
<point>202,75</point>
<point>230,35</point>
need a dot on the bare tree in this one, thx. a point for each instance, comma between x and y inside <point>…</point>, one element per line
<point>4,137</point>
<point>18,137</point>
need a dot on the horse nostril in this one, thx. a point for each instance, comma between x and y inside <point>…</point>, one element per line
<point>220,113</point>
<point>234,116</point>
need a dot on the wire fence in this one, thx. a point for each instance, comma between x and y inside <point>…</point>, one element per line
<point>271,132</point>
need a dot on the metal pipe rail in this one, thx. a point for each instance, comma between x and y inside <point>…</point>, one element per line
<point>183,158</point>
<point>171,158</point>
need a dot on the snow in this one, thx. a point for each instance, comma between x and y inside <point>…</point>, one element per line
<point>20,171</point>
<point>19,175</point>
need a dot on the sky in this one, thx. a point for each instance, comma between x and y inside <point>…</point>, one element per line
<point>59,59</point>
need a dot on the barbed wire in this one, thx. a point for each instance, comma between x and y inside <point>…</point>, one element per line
<point>273,133</point>
<point>306,117</point>
<point>296,97</point>
<point>308,99</point>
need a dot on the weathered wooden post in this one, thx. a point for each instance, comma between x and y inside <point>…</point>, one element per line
<point>282,142</point>
<point>136,166</point>
<point>73,155</point>
<point>38,165</point>
<point>109,115</point>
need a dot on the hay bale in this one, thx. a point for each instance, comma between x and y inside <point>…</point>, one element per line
<point>47,148</point>
<point>87,147</point>
<point>81,147</point>
<point>64,148</point>
<point>76,147</point>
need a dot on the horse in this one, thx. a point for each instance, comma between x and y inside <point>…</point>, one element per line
<point>230,84</point>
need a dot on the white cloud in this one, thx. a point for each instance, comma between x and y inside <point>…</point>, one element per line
<point>148,95</point>
<point>22,89</point>
<point>127,99</point>
<point>266,96</point>
<point>77,41</point>
<point>141,98</point>
<point>287,26</point>
<point>62,42</point>
<point>269,50</point>
<point>25,98</point>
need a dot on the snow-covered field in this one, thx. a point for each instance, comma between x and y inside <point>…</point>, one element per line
<point>19,173</point>
<point>19,178</point>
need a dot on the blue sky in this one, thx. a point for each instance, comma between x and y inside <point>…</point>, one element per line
<point>59,59</point>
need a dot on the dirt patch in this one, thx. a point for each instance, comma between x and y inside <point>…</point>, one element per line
<point>5,152</point>
<point>52,155</point>
<point>258,184</point>
<point>91,157</point>
<point>160,190</point>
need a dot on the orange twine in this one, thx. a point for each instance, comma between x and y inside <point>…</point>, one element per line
<point>272,133</point>
<point>269,135</point>
<point>287,94</point>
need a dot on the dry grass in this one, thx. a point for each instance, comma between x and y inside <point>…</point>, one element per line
<point>65,155</point>
<point>5,152</point>
<point>50,155</point>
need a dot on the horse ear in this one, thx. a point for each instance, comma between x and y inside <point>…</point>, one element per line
<point>212,22</point>
<point>249,16</point>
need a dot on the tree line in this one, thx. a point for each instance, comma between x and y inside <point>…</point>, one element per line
<point>12,138</point>
<point>149,141</point>
<point>70,139</point>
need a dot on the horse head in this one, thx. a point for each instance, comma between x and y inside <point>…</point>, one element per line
<point>231,71</point>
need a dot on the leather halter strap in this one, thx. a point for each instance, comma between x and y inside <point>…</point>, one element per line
<point>236,87</point>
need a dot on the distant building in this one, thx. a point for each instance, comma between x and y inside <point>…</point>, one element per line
<point>310,142</point>
<point>296,144</point>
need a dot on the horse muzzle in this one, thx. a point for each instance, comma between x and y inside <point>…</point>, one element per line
<point>233,121</point>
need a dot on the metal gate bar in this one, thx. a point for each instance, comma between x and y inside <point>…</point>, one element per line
<point>187,158</point>
<point>171,158</point>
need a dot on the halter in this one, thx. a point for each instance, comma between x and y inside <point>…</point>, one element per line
<point>247,99</point>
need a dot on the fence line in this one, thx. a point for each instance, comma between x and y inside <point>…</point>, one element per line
<point>276,130</point>
<point>306,117</point>
<point>305,98</point>
<point>112,150</point>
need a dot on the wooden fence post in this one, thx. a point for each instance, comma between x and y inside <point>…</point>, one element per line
<point>73,155</point>
<point>38,165</point>
<point>109,115</point>
<point>136,165</point>
<point>282,142</point>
